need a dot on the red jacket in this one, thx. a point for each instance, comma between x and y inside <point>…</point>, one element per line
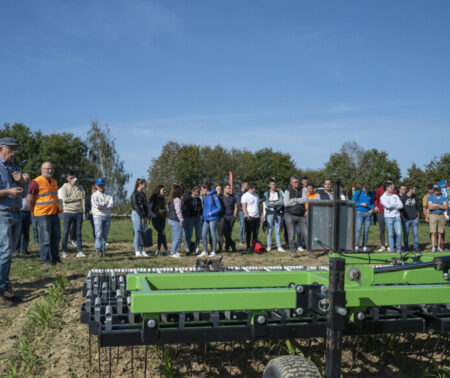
<point>378,194</point>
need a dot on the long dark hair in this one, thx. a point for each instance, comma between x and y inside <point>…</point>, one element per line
<point>157,190</point>
<point>176,192</point>
<point>139,181</point>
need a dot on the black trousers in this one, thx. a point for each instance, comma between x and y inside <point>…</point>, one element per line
<point>160,224</point>
<point>251,228</point>
<point>228,231</point>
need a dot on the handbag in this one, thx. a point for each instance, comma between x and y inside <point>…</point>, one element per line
<point>145,238</point>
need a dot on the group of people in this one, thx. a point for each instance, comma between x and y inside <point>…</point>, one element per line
<point>24,202</point>
<point>400,212</point>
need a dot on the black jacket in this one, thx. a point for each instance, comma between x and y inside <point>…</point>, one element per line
<point>410,207</point>
<point>139,203</point>
<point>191,206</point>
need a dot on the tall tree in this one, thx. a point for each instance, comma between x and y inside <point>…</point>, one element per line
<point>105,158</point>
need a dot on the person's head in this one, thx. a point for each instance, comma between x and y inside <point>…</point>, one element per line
<point>8,148</point>
<point>244,185</point>
<point>402,189</point>
<point>47,169</point>
<point>100,183</point>
<point>227,189</point>
<point>437,190</point>
<point>252,188</point>
<point>195,191</point>
<point>272,184</point>
<point>140,185</point>
<point>159,190</point>
<point>430,189</point>
<point>26,177</point>
<point>205,188</point>
<point>410,190</point>
<point>388,187</point>
<point>366,187</point>
<point>327,185</point>
<point>70,177</point>
<point>176,192</point>
<point>294,182</point>
<point>305,181</point>
<point>219,189</point>
<point>93,188</point>
<point>310,188</point>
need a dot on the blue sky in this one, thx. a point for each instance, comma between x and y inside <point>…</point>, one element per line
<point>298,76</point>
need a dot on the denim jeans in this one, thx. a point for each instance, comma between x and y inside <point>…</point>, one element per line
<point>209,226</point>
<point>10,226</point>
<point>74,220</point>
<point>35,229</point>
<point>137,226</point>
<point>274,219</point>
<point>50,234</point>
<point>177,231</point>
<point>24,237</point>
<point>188,227</point>
<point>102,225</point>
<point>394,225</point>
<point>241,226</point>
<point>407,225</point>
<point>362,218</point>
<point>292,221</point>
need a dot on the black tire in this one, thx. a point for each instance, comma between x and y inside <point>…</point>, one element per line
<point>291,367</point>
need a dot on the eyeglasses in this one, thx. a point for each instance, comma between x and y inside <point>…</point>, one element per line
<point>14,148</point>
<point>48,169</point>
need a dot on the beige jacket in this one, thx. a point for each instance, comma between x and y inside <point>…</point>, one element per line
<point>73,198</point>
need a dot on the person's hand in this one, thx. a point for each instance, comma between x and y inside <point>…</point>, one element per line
<point>376,209</point>
<point>247,216</point>
<point>364,204</point>
<point>90,212</point>
<point>15,192</point>
<point>427,219</point>
<point>292,199</point>
<point>144,220</point>
<point>263,218</point>
<point>181,224</point>
<point>370,211</point>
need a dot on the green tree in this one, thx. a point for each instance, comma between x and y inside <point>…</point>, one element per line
<point>162,170</point>
<point>106,161</point>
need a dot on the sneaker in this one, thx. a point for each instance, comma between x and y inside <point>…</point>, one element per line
<point>99,253</point>
<point>197,251</point>
<point>300,249</point>
<point>138,254</point>
<point>280,249</point>
<point>440,249</point>
<point>63,255</point>
<point>356,249</point>
<point>433,249</point>
<point>80,254</point>
<point>365,249</point>
<point>388,250</point>
<point>157,252</point>
<point>381,249</point>
<point>5,302</point>
<point>212,254</point>
<point>144,254</point>
<point>106,244</point>
<point>268,249</point>
<point>176,255</point>
<point>203,254</point>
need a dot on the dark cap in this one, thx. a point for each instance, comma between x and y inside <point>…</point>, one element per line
<point>7,141</point>
<point>436,187</point>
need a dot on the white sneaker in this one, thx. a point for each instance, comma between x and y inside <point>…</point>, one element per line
<point>388,250</point>
<point>106,244</point>
<point>80,254</point>
<point>381,249</point>
<point>63,255</point>
<point>74,243</point>
<point>212,254</point>
<point>203,254</point>
<point>356,249</point>
<point>268,249</point>
<point>365,249</point>
<point>440,249</point>
<point>433,249</point>
<point>176,255</point>
<point>144,254</point>
<point>157,252</point>
<point>300,249</point>
<point>197,250</point>
<point>139,254</point>
<point>281,250</point>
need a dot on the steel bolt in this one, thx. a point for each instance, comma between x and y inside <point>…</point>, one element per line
<point>151,323</point>
<point>323,289</point>
<point>299,289</point>
<point>353,274</point>
<point>446,276</point>
<point>341,310</point>
<point>299,311</point>
<point>261,319</point>
<point>361,315</point>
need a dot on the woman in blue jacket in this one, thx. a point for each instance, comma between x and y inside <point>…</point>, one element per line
<point>364,199</point>
<point>211,210</point>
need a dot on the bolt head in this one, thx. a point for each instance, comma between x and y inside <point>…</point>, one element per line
<point>361,315</point>
<point>446,276</point>
<point>151,323</point>
<point>261,319</point>
<point>299,311</point>
<point>299,289</point>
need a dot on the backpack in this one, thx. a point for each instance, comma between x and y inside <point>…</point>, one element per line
<point>258,247</point>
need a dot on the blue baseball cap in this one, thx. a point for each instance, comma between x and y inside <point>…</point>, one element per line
<point>100,181</point>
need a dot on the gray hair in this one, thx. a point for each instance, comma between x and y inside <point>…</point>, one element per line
<point>293,178</point>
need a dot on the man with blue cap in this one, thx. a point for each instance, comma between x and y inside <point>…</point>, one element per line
<point>11,193</point>
<point>101,212</point>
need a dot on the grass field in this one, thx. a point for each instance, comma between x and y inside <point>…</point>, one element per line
<point>42,335</point>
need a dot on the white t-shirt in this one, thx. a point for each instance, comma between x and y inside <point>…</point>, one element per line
<point>252,201</point>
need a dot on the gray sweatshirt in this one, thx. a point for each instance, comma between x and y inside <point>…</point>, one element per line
<point>296,201</point>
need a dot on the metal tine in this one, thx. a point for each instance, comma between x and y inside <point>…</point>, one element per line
<point>145,361</point>
<point>90,350</point>
<point>99,359</point>
<point>109,348</point>
<point>132,360</point>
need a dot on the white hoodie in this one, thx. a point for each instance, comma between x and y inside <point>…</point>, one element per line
<point>101,204</point>
<point>392,204</point>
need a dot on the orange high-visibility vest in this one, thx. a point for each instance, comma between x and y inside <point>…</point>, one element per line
<point>47,201</point>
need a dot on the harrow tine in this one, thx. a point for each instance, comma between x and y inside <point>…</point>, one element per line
<point>90,351</point>
<point>109,352</point>
<point>117,357</point>
<point>132,360</point>
<point>145,362</point>
<point>99,360</point>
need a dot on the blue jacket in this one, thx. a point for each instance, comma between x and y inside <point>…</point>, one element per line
<point>211,209</point>
<point>363,198</point>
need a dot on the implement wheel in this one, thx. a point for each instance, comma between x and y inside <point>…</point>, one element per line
<point>291,367</point>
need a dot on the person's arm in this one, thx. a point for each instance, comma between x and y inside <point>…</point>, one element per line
<point>266,199</point>
<point>98,201</point>
<point>433,206</point>
<point>150,210</point>
<point>218,206</point>
<point>287,200</point>
<point>398,203</point>
<point>244,209</point>
<point>235,212</point>
<point>384,203</point>
<point>177,205</point>
<point>261,212</point>
<point>31,199</point>
<point>109,202</point>
<point>280,200</point>
<point>15,192</point>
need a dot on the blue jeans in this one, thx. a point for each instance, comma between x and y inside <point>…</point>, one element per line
<point>362,218</point>
<point>24,237</point>
<point>241,227</point>
<point>137,226</point>
<point>177,232</point>
<point>274,219</point>
<point>394,225</point>
<point>102,225</point>
<point>10,226</point>
<point>68,219</point>
<point>188,225</point>
<point>211,226</point>
<point>413,224</point>
<point>50,233</point>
